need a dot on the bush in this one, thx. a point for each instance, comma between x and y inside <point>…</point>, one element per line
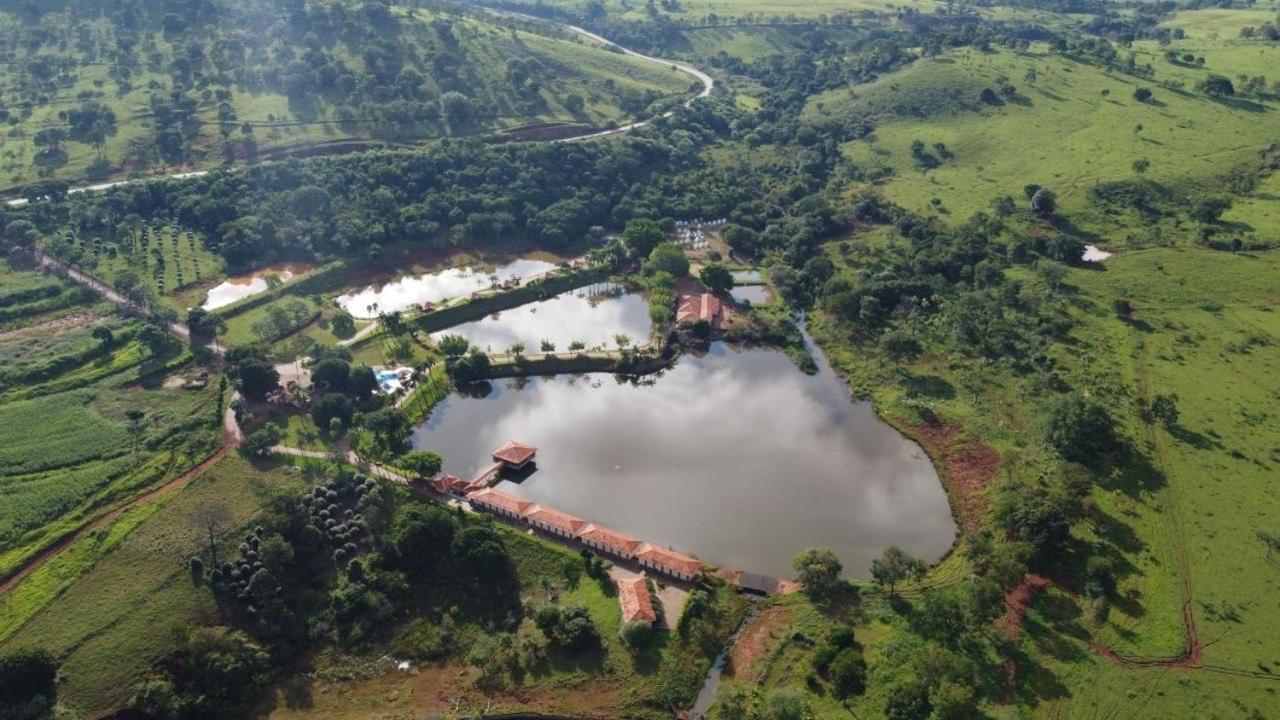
<point>1081,430</point>
<point>27,678</point>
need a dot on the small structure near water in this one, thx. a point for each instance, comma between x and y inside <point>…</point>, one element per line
<point>700,306</point>
<point>633,599</point>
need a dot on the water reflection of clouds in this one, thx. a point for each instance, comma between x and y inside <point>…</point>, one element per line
<point>734,456</point>
<point>561,319</point>
<point>433,287</point>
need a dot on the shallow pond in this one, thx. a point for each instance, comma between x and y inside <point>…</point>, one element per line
<point>754,294</point>
<point>449,284</point>
<point>746,276</point>
<point>238,288</point>
<point>592,314</point>
<point>734,456</point>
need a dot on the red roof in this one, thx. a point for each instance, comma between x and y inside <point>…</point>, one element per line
<point>669,560</point>
<point>500,500</point>
<point>633,596</point>
<point>514,453</point>
<point>616,542</point>
<point>554,518</point>
<point>450,483</point>
<point>704,306</point>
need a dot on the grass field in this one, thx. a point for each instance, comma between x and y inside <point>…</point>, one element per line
<point>130,587</point>
<point>1060,131</point>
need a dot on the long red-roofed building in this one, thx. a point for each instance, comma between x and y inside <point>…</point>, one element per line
<point>633,598</point>
<point>610,541</point>
<point>554,521</point>
<point>701,306</point>
<point>499,502</point>
<point>668,561</point>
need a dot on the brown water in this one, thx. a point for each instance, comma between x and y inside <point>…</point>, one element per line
<point>238,288</point>
<point>736,457</point>
<point>592,314</point>
<point>451,284</point>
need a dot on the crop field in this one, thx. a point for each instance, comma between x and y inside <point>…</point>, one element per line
<point>1069,135</point>
<point>163,258</point>
<point>129,586</point>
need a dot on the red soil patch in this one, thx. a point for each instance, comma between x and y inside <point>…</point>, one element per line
<point>967,467</point>
<point>1016,602</point>
<point>757,639</point>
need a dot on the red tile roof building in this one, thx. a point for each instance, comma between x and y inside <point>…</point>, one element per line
<point>610,541</point>
<point>451,484</point>
<point>514,454</point>
<point>554,521</point>
<point>499,502</point>
<point>668,561</point>
<point>633,597</point>
<point>704,306</point>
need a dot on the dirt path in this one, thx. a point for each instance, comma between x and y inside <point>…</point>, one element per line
<point>1192,652</point>
<point>231,439</point>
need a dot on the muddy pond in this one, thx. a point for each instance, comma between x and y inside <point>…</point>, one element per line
<point>734,456</point>
<point>238,288</point>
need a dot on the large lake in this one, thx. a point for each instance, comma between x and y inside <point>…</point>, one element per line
<point>734,456</point>
<point>449,284</point>
<point>592,314</point>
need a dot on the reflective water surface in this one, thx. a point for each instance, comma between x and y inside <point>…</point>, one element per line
<point>736,457</point>
<point>592,314</point>
<point>237,288</point>
<point>754,294</point>
<point>746,276</point>
<point>447,284</point>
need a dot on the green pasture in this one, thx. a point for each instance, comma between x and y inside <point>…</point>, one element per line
<point>1059,131</point>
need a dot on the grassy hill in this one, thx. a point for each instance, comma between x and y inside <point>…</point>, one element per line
<point>1071,126</point>
<point>88,94</point>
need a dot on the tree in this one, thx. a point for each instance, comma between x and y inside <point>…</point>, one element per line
<point>669,258</point>
<point>260,441</point>
<point>453,346</point>
<point>255,375</point>
<point>28,686</point>
<point>342,324</point>
<point>1044,202</point>
<point>103,335</point>
<point>641,236</point>
<point>1141,94</point>
<point>717,278</point>
<point>22,233</point>
<point>1141,165</point>
<point>213,518</point>
<point>848,673</point>
<point>1209,210</point>
<point>331,373</point>
<point>899,345</point>
<point>423,536</point>
<point>908,700</point>
<point>1165,409</point>
<point>786,704</point>
<point>154,337</point>
<point>456,110</point>
<point>333,407</point>
<point>818,570</point>
<point>1217,86</point>
<point>1080,429</point>
<point>895,566</point>
<point>361,381</point>
<point>423,463</point>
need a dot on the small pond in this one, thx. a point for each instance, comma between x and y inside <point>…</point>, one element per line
<point>592,314</point>
<point>238,288</point>
<point>747,276</point>
<point>734,456</point>
<point>449,284</point>
<point>1093,253</point>
<point>754,294</point>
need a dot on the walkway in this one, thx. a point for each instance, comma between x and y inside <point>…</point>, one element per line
<point>111,295</point>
